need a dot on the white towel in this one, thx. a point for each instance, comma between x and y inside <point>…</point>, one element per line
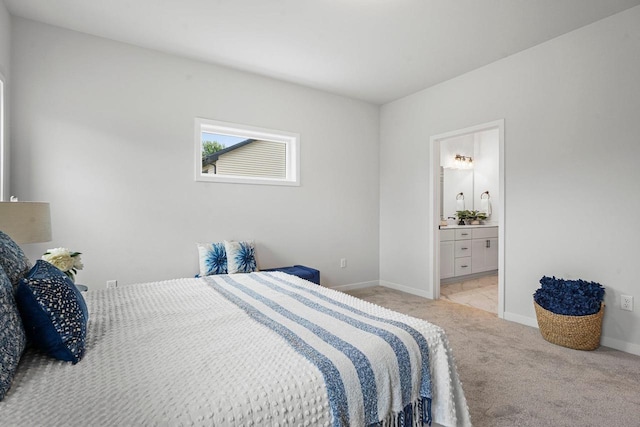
<point>459,204</point>
<point>485,206</point>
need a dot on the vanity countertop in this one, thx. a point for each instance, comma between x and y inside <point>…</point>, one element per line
<point>451,227</point>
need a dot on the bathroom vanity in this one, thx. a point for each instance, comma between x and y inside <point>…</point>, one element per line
<point>468,250</point>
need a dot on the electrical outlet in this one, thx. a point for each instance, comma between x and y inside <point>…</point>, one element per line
<point>343,263</point>
<point>112,284</point>
<point>626,302</point>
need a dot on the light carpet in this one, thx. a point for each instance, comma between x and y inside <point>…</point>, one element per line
<point>511,376</point>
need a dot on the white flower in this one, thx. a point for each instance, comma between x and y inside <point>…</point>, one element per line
<point>65,260</point>
<point>58,252</point>
<point>77,262</point>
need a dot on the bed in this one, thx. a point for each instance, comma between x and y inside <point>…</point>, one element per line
<point>264,348</point>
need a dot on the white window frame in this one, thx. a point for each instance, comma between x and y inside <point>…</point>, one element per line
<point>291,140</point>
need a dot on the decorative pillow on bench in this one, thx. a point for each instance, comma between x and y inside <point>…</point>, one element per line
<point>53,311</point>
<point>213,258</point>
<point>227,257</point>
<point>241,257</point>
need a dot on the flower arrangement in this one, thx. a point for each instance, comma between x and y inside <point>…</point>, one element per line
<point>569,297</point>
<point>468,215</point>
<point>65,260</point>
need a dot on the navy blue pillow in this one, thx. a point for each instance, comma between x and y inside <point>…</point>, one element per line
<point>12,340</point>
<point>53,311</point>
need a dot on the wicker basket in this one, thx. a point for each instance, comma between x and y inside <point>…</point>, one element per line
<point>577,332</point>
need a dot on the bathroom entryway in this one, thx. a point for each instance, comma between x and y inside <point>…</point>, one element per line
<point>467,217</point>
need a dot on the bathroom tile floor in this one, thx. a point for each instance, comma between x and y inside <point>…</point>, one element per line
<point>480,293</point>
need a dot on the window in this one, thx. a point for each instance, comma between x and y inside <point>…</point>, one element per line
<point>234,153</point>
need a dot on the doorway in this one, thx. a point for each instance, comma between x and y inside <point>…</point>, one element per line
<point>437,210</point>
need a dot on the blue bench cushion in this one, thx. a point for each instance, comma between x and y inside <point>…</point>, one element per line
<point>310,274</point>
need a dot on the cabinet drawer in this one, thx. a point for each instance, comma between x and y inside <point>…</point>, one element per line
<point>463,266</point>
<point>446,235</point>
<point>463,248</point>
<point>484,233</point>
<point>463,234</point>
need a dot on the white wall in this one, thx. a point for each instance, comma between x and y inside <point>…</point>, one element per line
<point>5,65</point>
<point>5,39</point>
<point>104,131</point>
<point>571,109</point>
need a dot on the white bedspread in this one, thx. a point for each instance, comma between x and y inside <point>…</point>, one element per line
<point>179,353</point>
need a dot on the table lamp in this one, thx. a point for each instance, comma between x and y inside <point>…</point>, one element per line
<point>26,222</point>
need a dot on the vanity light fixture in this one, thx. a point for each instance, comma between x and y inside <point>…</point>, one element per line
<point>463,162</point>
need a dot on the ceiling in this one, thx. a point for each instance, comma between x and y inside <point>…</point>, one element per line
<point>374,50</point>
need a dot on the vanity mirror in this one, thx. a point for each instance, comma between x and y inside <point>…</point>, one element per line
<point>468,170</point>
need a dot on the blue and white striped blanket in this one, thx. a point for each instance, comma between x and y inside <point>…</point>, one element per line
<point>285,352</point>
<point>375,368</point>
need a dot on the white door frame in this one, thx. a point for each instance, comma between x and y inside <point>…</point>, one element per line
<point>434,204</point>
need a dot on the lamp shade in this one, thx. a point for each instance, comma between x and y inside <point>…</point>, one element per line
<point>26,222</point>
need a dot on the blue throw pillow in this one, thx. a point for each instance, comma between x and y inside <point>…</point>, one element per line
<point>241,257</point>
<point>212,258</point>
<point>53,311</point>
<point>12,259</point>
<point>12,339</point>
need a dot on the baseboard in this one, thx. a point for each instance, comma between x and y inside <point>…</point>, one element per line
<point>523,320</point>
<point>352,286</point>
<point>413,291</point>
<point>627,347</point>
<point>616,344</point>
